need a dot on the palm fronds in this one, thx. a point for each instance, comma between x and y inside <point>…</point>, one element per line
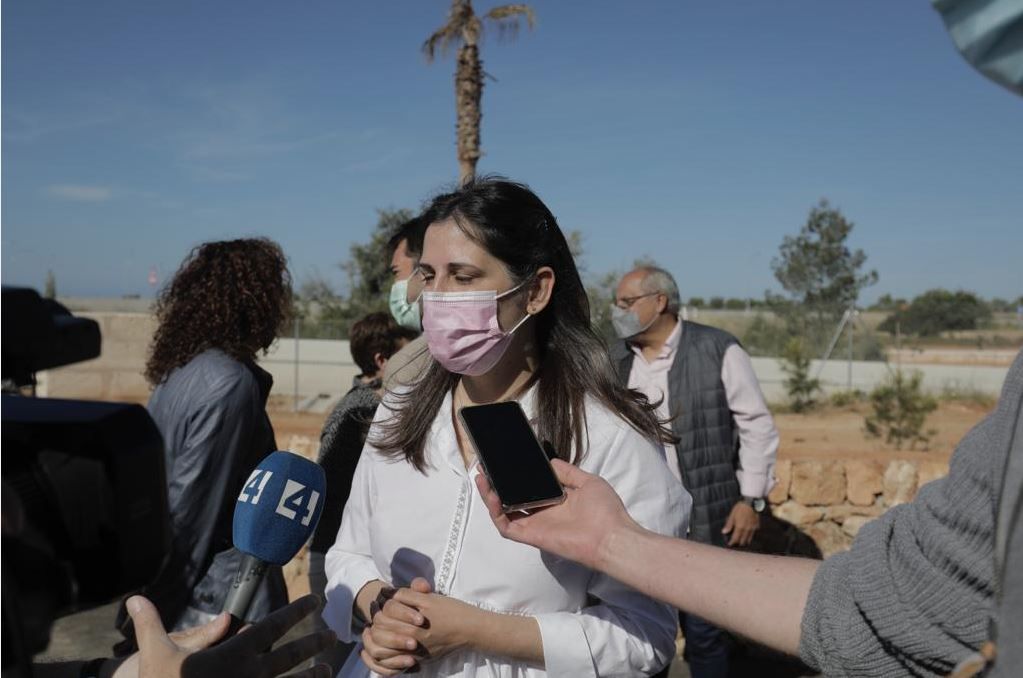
<point>507,18</point>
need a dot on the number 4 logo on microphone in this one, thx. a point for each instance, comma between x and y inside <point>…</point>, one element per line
<point>298,499</point>
<point>254,486</point>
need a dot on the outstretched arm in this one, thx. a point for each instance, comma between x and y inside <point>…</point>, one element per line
<point>592,527</point>
<point>188,654</point>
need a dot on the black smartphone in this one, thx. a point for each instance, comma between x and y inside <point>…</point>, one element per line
<point>515,463</point>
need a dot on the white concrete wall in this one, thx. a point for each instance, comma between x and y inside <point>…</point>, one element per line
<point>867,375</point>
<point>325,368</point>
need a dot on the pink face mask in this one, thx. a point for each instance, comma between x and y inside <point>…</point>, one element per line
<point>462,331</point>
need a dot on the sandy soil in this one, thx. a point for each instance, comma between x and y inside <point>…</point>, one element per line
<point>838,432</point>
<point>287,423</point>
<point>823,434</point>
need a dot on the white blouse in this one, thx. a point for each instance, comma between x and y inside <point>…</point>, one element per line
<point>400,524</point>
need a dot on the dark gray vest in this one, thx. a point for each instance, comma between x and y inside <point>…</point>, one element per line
<point>708,449</point>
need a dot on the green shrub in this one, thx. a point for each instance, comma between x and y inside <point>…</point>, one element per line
<point>867,346</point>
<point>765,337</point>
<point>900,409</point>
<point>802,389</point>
<point>847,398</point>
<point>937,311</point>
<point>969,396</point>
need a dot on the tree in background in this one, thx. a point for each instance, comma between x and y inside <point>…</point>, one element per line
<point>601,293</point>
<point>820,274</point>
<point>318,310</point>
<point>465,28</point>
<point>802,388</point>
<point>326,313</point>
<point>369,269</point>
<point>998,305</point>
<point>50,286</point>
<point>765,336</point>
<point>900,409</point>
<point>601,290</point>
<point>937,311</point>
<point>886,302</point>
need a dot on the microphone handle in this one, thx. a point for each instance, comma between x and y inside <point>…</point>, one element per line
<point>243,588</point>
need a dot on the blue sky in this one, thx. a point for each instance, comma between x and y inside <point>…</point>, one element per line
<point>696,133</point>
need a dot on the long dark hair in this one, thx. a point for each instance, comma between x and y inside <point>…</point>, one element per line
<point>233,295</point>
<point>511,223</point>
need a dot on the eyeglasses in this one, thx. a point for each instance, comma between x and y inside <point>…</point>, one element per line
<point>627,302</point>
<point>416,285</point>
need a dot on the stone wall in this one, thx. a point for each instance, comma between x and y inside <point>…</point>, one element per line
<point>829,501</point>
<point>832,500</point>
<point>117,373</point>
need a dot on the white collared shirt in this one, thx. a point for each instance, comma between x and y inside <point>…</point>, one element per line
<point>400,524</point>
<point>758,437</point>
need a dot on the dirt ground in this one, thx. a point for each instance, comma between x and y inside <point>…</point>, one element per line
<point>827,433</point>
<point>839,433</point>
<point>823,434</point>
<point>288,423</point>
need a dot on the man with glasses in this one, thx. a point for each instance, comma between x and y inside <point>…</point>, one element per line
<point>405,248</point>
<point>705,386</point>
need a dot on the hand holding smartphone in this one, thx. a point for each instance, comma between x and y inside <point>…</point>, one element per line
<point>517,466</point>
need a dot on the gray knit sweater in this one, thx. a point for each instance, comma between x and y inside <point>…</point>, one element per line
<point>914,594</point>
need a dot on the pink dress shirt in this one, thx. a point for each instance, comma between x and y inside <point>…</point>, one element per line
<point>758,437</point>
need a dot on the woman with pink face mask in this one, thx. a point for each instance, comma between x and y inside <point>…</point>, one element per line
<point>418,574</point>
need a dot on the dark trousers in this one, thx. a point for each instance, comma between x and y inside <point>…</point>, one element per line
<point>334,656</point>
<point>707,647</point>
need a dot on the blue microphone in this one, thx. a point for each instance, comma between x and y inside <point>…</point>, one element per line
<point>276,513</point>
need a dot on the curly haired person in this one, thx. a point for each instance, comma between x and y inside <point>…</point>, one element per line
<point>227,302</point>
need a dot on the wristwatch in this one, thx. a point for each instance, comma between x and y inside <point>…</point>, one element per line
<point>758,504</point>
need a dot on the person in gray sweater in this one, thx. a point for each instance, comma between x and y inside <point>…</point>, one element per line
<point>931,587</point>
<point>922,592</point>
<point>916,592</point>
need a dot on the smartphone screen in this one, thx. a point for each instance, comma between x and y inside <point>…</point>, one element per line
<point>511,456</point>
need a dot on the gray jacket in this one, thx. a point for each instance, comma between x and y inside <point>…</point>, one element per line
<point>212,415</point>
<point>924,585</point>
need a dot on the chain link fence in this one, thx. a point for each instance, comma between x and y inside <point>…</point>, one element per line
<point>312,365</point>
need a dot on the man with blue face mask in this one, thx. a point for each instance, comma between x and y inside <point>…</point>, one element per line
<point>405,248</point>
<point>728,443</point>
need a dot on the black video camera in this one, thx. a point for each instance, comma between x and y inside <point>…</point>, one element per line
<point>85,516</point>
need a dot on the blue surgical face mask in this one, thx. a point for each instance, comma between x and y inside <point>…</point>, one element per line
<point>405,312</point>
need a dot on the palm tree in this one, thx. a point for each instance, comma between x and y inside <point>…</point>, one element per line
<point>465,29</point>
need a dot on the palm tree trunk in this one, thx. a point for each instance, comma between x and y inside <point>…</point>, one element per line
<point>468,93</point>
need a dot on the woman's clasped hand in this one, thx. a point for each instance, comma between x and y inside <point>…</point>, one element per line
<point>412,625</point>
